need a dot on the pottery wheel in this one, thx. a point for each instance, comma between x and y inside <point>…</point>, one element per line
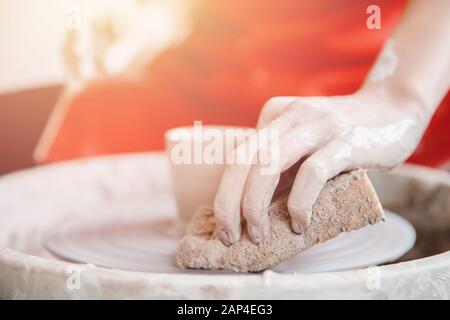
<point>114,214</point>
<point>149,245</point>
<point>119,212</point>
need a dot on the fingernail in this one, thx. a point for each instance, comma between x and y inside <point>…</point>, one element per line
<point>224,236</point>
<point>301,225</point>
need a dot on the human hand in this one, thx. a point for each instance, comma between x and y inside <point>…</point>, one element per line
<point>369,129</point>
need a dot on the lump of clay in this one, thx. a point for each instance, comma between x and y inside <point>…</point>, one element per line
<point>347,202</point>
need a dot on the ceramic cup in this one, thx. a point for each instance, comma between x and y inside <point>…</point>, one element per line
<point>197,156</point>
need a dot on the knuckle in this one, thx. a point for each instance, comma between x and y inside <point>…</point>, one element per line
<point>335,121</point>
<point>267,158</point>
<point>269,108</point>
<point>294,208</point>
<point>315,169</point>
<point>220,211</point>
<point>295,106</point>
<point>273,101</point>
<point>303,104</point>
<point>251,210</point>
<point>293,113</point>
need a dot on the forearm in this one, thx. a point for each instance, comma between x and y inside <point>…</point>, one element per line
<point>415,62</point>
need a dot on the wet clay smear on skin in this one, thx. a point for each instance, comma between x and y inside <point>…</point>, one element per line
<point>347,202</point>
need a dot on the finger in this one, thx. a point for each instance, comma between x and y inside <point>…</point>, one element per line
<point>310,180</point>
<point>260,185</point>
<point>273,109</point>
<point>287,180</point>
<point>227,203</point>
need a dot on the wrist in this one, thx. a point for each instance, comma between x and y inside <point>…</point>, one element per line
<point>398,106</point>
<point>405,98</point>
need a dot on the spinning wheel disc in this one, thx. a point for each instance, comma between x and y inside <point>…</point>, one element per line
<point>150,245</point>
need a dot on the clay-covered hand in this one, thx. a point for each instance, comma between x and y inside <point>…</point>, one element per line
<point>377,127</point>
<point>369,129</point>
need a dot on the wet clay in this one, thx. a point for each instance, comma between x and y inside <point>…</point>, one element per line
<point>347,202</point>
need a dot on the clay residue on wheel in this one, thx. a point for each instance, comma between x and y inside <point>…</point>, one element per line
<point>347,202</point>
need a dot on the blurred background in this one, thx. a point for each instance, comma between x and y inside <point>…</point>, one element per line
<point>80,78</point>
<point>48,47</point>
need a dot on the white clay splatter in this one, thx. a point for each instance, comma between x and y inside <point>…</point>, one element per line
<point>386,64</point>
